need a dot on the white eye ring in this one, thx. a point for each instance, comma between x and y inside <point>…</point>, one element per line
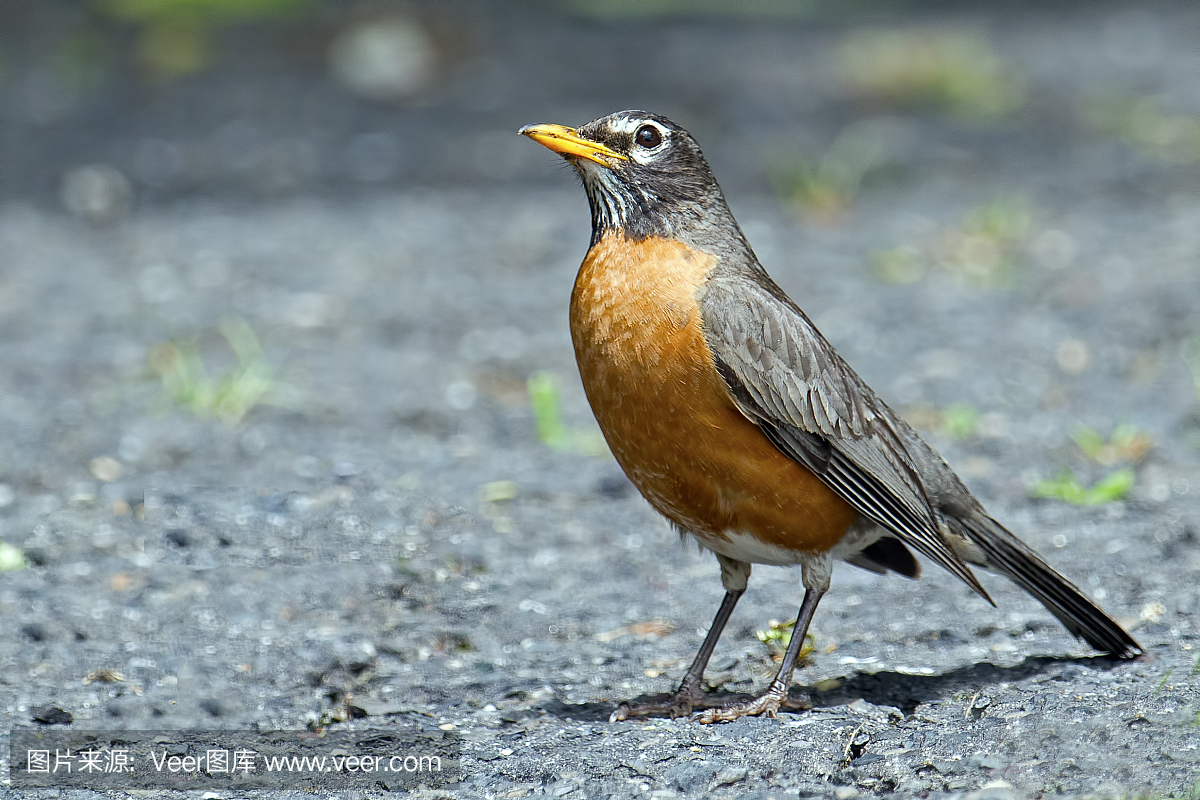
<point>649,136</point>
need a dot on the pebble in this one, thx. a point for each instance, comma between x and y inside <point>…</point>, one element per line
<point>344,469</point>
<point>97,193</point>
<point>105,469</point>
<point>730,775</point>
<point>392,58</point>
<point>1072,356</point>
<point>11,557</point>
<point>34,632</point>
<point>50,715</point>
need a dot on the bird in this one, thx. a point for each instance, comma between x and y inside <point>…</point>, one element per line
<point>739,422</point>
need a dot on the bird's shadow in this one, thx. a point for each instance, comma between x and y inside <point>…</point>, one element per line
<point>896,689</point>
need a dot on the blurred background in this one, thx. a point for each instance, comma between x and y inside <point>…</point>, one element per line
<point>316,215</point>
<point>268,98</point>
<point>297,247</point>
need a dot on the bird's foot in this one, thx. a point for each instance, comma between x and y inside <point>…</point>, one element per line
<point>767,705</point>
<point>680,704</point>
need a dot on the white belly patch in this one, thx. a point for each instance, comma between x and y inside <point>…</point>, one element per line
<point>816,567</point>
<point>746,547</point>
<point>742,546</point>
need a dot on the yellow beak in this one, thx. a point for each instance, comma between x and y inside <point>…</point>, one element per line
<point>568,142</point>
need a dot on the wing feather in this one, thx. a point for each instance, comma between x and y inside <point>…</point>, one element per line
<point>785,377</point>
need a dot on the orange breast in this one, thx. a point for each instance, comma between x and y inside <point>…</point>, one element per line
<point>667,415</point>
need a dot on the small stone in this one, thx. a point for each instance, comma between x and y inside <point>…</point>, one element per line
<point>11,557</point>
<point>50,715</point>
<point>103,676</point>
<point>177,537</point>
<point>724,664</point>
<point>344,469</point>
<point>1072,356</point>
<point>499,491</point>
<point>461,395</point>
<point>845,792</point>
<point>731,775</point>
<point>97,193</point>
<point>1152,612</point>
<point>212,707</point>
<point>83,492</point>
<point>614,485</point>
<point>35,632</point>
<point>105,469</point>
<point>385,59</point>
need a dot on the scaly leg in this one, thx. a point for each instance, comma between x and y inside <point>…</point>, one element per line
<point>769,702</point>
<point>691,691</point>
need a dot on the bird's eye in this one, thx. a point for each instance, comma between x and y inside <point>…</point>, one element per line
<point>648,137</point>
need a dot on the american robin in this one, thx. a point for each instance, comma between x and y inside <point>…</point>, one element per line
<point>738,421</point>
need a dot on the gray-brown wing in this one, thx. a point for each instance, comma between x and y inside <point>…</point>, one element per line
<point>787,379</point>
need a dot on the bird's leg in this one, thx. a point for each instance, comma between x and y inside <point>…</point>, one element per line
<point>690,694</point>
<point>816,579</point>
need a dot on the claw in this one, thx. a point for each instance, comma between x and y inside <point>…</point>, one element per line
<point>624,712</point>
<point>761,706</point>
<point>681,704</point>
<point>767,705</point>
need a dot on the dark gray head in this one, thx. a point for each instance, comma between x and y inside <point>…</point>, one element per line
<point>644,175</point>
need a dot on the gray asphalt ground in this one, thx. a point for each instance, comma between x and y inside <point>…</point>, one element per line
<point>385,541</point>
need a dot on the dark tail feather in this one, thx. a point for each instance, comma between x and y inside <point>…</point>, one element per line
<point>1004,553</point>
<point>889,553</point>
